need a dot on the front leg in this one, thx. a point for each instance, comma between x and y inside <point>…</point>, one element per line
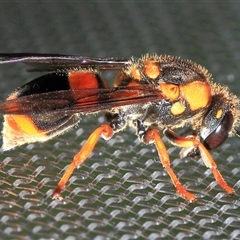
<point>188,142</point>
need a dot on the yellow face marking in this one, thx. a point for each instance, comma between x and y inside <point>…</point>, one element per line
<point>219,113</point>
<point>151,69</point>
<point>170,90</point>
<point>177,108</point>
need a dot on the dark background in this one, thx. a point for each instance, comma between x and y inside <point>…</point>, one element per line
<point>122,191</point>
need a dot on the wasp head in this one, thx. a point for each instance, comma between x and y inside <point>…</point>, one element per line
<point>221,118</point>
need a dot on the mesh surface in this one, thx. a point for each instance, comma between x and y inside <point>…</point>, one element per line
<point>122,191</point>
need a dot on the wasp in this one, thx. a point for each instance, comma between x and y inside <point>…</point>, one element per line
<point>154,94</point>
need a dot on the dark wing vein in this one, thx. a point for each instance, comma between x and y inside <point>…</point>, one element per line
<point>79,101</point>
<point>52,62</point>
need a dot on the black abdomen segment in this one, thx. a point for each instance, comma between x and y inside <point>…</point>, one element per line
<point>47,83</point>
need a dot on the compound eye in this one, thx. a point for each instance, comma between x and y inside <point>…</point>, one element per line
<point>217,137</point>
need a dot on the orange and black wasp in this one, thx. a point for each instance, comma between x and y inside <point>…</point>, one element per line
<point>153,94</point>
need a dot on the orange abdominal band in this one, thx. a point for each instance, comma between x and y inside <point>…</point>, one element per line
<point>23,123</point>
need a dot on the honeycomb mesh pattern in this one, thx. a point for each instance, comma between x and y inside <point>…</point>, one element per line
<point>121,192</point>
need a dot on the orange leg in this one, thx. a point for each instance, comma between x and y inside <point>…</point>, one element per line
<point>153,135</point>
<point>106,132</point>
<point>206,156</point>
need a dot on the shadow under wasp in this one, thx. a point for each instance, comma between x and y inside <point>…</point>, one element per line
<point>153,94</point>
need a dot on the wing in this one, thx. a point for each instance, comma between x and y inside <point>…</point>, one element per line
<point>80,100</point>
<point>52,62</point>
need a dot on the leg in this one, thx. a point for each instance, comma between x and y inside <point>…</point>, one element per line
<point>106,132</point>
<point>154,136</point>
<point>206,156</point>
